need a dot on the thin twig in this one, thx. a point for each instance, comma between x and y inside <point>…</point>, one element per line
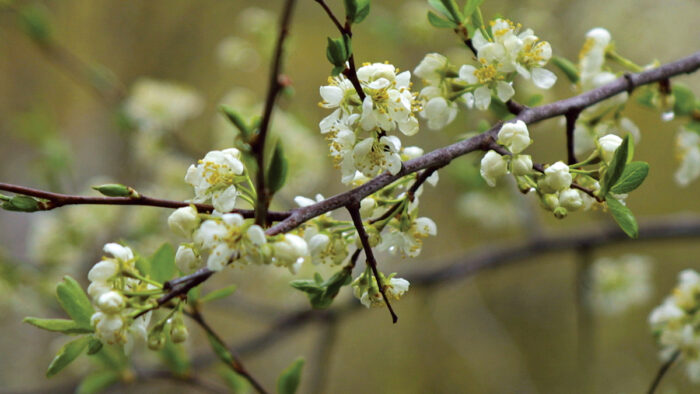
<point>235,363</point>
<point>662,371</point>
<point>274,89</point>
<point>56,200</point>
<point>571,118</point>
<point>354,210</point>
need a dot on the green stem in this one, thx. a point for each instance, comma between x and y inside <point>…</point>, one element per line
<point>623,61</point>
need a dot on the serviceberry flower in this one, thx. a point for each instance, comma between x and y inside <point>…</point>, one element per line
<point>557,176</point>
<point>186,258</point>
<point>493,166</point>
<point>608,145</point>
<point>570,199</point>
<point>227,238</point>
<point>437,110</point>
<point>410,241</point>
<point>215,177</point>
<point>488,77</point>
<point>372,156</point>
<point>432,69</point>
<point>291,252</point>
<point>184,221</point>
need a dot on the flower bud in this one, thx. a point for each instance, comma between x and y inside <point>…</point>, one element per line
<point>184,221</point>
<point>493,166</point>
<point>156,340</point>
<point>560,212</point>
<point>550,201</point>
<point>521,165</point>
<point>608,145</point>
<point>103,271</point>
<point>514,136</point>
<point>186,259</point>
<point>367,206</point>
<point>111,302</point>
<point>178,332</point>
<point>570,199</point>
<point>256,235</point>
<point>557,176</point>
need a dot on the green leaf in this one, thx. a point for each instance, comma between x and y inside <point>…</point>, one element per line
<point>69,352</point>
<point>163,263</point>
<point>97,381</point>
<point>440,23</point>
<point>470,7</point>
<point>633,176</point>
<point>336,52</point>
<point>22,204</point>
<point>74,301</point>
<point>534,100</point>
<point>356,10</point>
<point>437,4</point>
<point>567,67</point>
<point>684,100</point>
<point>646,97</point>
<point>113,190</point>
<point>35,22</point>
<point>58,325</point>
<point>694,126</point>
<point>218,294</point>
<point>322,293</point>
<point>235,382</point>
<point>337,70</point>
<point>447,8</point>
<point>143,265</point>
<point>277,173</point>
<point>237,121</point>
<point>623,216</point>
<point>94,346</point>
<point>288,381</point>
<point>616,167</point>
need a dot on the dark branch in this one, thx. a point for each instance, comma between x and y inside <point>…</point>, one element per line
<point>662,371</point>
<point>274,88</point>
<point>571,118</point>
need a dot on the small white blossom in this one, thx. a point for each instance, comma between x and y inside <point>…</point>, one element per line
<point>608,145</point>
<point>161,106</point>
<point>592,55</point>
<point>184,221</point>
<point>108,327</point>
<point>688,150</point>
<point>570,199</point>
<point>487,76</point>
<point>437,110</point>
<point>521,165</point>
<point>432,68</point>
<point>111,302</point>
<point>225,239</point>
<point>617,284</point>
<point>409,242</point>
<point>186,259</point>
<point>372,156</point>
<point>396,287</point>
<point>514,136</point>
<point>215,177</point>
<point>557,176</point>
<point>493,166</point>
<point>290,252</point>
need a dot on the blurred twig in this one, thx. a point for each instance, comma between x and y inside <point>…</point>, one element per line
<point>662,371</point>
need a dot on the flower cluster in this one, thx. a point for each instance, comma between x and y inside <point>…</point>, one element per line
<point>357,129</point>
<point>366,290</point>
<point>504,52</point>
<point>109,280</point>
<point>674,323</point>
<point>157,106</point>
<point>617,284</point>
<point>515,137</point>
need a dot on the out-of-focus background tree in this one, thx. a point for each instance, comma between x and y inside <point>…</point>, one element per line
<point>64,127</point>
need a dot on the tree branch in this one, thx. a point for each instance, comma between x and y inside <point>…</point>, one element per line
<point>274,88</point>
<point>662,371</point>
<point>571,118</point>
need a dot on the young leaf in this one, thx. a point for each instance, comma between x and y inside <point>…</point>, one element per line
<point>220,349</point>
<point>237,121</point>
<point>336,52</point>
<point>623,216</point>
<point>567,67</point>
<point>94,345</point>
<point>356,10</point>
<point>440,23</point>
<point>288,381</point>
<point>277,173</point>
<point>438,5</point>
<point>470,7</point>
<point>633,176</point>
<point>74,301</point>
<point>69,352</point>
<point>163,263</point>
<point>97,382</point>
<point>616,167</point>
<point>21,204</point>
<point>235,382</point>
<point>684,100</point>
<point>113,190</point>
<point>58,325</point>
<point>143,265</point>
<point>217,294</point>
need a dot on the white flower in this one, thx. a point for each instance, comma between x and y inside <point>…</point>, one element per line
<point>184,221</point>
<point>97,288</point>
<point>557,176</point>
<point>103,271</point>
<point>111,302</point>
<point>521,165</point>
<point>222,238</point>
<point>668,311</point>
<point>396,287</point>
<point>256,235</point>
<point>514,136</point>
<point>325,250</point>
<point>570,199</point>
<point>493,166</point>
<point>388,99</point>
<point>688,150</point>
<point>372,156</point>
<point>432,68</point>
<point>238,53</point>
<point>290,252</point>
<point>119,252</point>
<point>367,206</point>
<point>161,106</point>
<point>410,242</point>
<point>438,111</point>
<point>215,177</point>
<point>412,152</point>
<point>608,146</point>
<point>487,76</point>
<point>592,55</point>
<point>186,259</point>
<point>617,284</point>
<point>108,327</point>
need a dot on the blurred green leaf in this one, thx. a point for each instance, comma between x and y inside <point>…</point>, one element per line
<point>69,352</point>
<point>75,302</point>
<point>632,176</point>
<point>356,10</point>
<point>218,294</point>
<point>94,346</point>
<point>616,167</point>
<point>163,263</point>
<point>34,20</point>
<point>567,67</point>
<point>684,100</point>
<point>97,381</point>
<point>440,23</point>
<point>237,121</point>
<point>289,380</point>
<point>277,173</point>
<point>58,325</point>
<point>322,293</point>
<point>623,216</point>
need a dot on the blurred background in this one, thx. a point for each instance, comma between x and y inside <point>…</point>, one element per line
<point>77,87</point>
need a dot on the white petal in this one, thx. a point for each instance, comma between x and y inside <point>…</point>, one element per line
<point>331,95</point>
<point>543,78</point>
<point>504,91</point>
<point>482,98</point>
